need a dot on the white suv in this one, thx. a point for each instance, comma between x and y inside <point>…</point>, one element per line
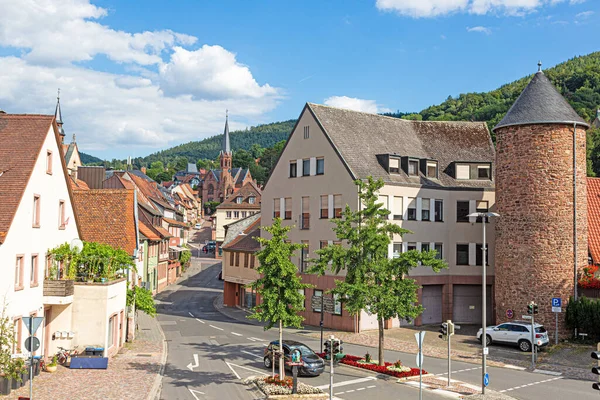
<point>515,332</point>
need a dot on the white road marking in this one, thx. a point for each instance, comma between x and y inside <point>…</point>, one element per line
<point>259,339</point>
<point>194,392</point>
<point>251,339</point>
<point>232,370</point>
<point>252,354</point>
<point>542,371</point>
<point>196,364</point>
<point>199,320</point>
<point>216,327</point>
<point>350,382</point>
<point>529,384</point>
<point>236,334</point>
<point>246,368</point>
<point>371,387</point>
<point>191,315</point>
<point>359,389</point>
<point>214,342</point>
<point>460,370</point>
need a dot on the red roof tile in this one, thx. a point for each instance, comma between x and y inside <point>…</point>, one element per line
<point>593,200</point>
<point>107,216</point>
<point>248,190</point>
<point>247,240</point>
<point>148,232</point>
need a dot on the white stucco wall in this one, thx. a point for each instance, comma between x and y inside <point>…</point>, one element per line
<point>23,239</point>
<point>93,305</point>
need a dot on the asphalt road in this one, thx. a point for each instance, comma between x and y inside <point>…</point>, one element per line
<point>210,355</point>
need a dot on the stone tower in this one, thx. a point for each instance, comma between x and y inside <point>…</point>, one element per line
<point>225,157</point>
<point>535,256</point>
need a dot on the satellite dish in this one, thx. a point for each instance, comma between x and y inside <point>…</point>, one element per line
<point>76,245</point>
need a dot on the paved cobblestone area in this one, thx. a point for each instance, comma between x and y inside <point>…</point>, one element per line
<point>130,374</point>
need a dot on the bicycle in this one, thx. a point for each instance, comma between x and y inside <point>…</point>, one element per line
<point>63,355</point>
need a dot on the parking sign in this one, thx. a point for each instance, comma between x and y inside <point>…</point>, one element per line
<point>556,302</point>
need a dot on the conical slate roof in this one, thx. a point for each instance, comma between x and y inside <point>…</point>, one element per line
<point>225,147</point>
<point>540,103</point>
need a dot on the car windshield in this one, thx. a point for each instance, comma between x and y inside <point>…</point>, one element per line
<point>304,350</point>
<point>540,329</point>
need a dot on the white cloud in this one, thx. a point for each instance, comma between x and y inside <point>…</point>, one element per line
<point>352,103</point>
<point>211,72</point>
<point>584,14</point>
<point>166,94</point>
<point>481,29</point>
<point>434,8</point>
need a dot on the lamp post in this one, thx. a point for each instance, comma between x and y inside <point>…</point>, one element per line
<point>484,216</point>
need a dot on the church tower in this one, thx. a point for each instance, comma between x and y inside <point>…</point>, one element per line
<point>541,234</point>
<point>226,180</point>
<point>58,117</point>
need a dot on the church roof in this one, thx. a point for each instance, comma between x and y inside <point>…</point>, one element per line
<point>540,103</point>
<point>225,146</point>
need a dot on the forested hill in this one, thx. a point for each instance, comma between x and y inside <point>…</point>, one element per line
<point>264,135</point>
<point>578,80</point>
<point>88,159</point>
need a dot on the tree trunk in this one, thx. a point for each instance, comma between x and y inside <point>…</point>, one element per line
<point>380,323</point>
<point>281,360</point>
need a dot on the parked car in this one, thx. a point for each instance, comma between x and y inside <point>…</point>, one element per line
<point>313,365</point>
<point>198,226</point>
<point>209,247</point>
<point>516,333</point>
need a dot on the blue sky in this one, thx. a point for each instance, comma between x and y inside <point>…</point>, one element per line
<point>137,77</point>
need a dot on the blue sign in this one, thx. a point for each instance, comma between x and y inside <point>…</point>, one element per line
<point>486,379</point>
<point>556,302</point>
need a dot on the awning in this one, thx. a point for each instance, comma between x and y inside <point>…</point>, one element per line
<point>177,248</point>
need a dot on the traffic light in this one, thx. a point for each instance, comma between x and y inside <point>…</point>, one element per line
<point>443,331</point>
<point>450,328</point>
<point>535,308</point>
<point>327,345</point>
<point>337,346</point>
<point>530,308</point>
<point>596,370</point>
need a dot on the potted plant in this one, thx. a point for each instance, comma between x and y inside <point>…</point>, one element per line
<point>5,384</point>
<point>15,373</point>
<point>53,365</point>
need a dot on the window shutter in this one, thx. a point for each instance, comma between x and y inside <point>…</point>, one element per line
<point>472,209</point>
<point>405,206</point>
<point>313,166</point>
<point>432,210</point>
<point>462,171</point>
<point>419,208</point>
<point>330,206</point>
<point>472,253</point>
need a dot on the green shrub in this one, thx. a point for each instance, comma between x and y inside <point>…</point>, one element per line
<point>584,315</point>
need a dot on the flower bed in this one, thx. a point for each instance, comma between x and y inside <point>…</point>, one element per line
<point>275,386</point>
<point>398,372</point>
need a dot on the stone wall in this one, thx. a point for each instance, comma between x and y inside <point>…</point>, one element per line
<point>534,234</point>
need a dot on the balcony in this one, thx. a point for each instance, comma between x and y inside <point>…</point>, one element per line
<point>58,292</point>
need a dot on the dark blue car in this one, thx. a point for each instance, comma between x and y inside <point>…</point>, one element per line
<point>313,365</point>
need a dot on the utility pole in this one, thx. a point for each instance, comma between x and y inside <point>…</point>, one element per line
<point>331,355</point>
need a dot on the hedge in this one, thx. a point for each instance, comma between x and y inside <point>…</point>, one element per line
<point>583,314</point>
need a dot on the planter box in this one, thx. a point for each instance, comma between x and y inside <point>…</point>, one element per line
<point>61,288</point>
<point>5,385</point>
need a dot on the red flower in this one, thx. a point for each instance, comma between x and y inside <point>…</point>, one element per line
<point>353,361</point>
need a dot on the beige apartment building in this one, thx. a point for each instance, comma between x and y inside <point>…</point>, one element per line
<point>435,174</point>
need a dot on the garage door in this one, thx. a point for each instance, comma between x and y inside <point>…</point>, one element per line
<point>432,302</point>
<point>467,304</point>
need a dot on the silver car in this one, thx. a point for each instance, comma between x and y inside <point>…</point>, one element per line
<point>517,333</point>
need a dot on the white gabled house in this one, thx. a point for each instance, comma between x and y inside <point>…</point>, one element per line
<point>36,214</point>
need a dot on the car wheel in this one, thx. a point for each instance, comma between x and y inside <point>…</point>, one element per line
<point>268,363</point>
<point>524,345</point>
<point>488,340</point>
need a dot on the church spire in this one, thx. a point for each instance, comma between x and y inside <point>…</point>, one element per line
<point>225,146</point>
<point>58,115</point>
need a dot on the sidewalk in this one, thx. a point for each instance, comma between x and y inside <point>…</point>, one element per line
<point>131,375</point>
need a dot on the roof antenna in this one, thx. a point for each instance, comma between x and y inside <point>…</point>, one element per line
<point>539,66</point>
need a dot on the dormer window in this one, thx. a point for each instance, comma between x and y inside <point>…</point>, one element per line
<point>413,167</point>
<point>483,171</point>
<point>432,169</point>
<point>394,166</point>
<point>239,199</point>
<point>251,199</point>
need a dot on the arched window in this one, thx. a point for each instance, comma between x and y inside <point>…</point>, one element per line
<point>210,190</point>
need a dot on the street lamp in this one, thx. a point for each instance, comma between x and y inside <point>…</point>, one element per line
<point>484,217</point>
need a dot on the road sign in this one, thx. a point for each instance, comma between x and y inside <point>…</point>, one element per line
<point>419,360</point>
<point>328,303</point>
<point>526,316</point>
<point>419,336</point>
<point>486,350</point>
<point>32,343</point>
<point>557,309</point>
<point>34,321</point>
<point>509,314</point>
<point>556,302</point>
<point>486,379</point>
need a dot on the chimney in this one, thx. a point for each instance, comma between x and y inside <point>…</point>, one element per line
<point>143,169</point>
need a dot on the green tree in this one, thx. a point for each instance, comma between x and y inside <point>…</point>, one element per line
<point>7,340</point>
<point>271,155</point>
<point>279,284</point>
<point>256,150</point>
<point>374,282</point>
<point>242,159</point>
<point>181,164</point>
<point>142,299</point>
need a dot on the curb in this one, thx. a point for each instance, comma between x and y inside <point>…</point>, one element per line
<point>157,385</point>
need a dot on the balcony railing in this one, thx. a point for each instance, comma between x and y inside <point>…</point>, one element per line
<point>60,288</point>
